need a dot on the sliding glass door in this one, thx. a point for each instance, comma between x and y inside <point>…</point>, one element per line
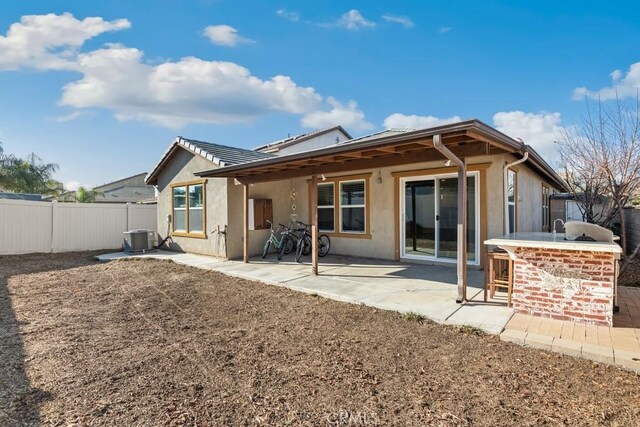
<point>430,218</point>
<point>420,222</point>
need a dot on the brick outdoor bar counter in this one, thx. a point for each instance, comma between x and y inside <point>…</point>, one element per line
<point>562,279</point>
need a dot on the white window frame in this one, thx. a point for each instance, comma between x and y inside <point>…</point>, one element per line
<point>511,172</point>
<point>196,208</point>
<point>364,205</point>
<point>403,215</point>
<point>333,206</point>
<point>185,209</point>
<point>546,201</point>
<point>187,232</point>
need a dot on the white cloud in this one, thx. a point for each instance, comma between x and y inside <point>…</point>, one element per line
<point>72,185</point>
<point>540,130</point>
<point>353,21</point>
<point>288,15</point>
<point>443,30</point>
<point>404,121</point>
<point>224,35</point>
<point>174,94</point>
<point>50,41</point>
<point>169,93</point>
<point>627,86</point>
<point>348,115</point>
<point>67,118</point>
<point>405,21</point>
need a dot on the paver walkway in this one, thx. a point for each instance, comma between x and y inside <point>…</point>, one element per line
<point>618,345</point>
<point>423,289</point>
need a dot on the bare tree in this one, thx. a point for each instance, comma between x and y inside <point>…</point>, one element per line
<point>601,161</point>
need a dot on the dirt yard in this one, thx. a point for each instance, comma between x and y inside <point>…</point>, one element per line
<point>631,274</point>
<point>151,343</point>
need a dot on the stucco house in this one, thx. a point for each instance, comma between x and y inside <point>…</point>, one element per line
<point>392,195</point>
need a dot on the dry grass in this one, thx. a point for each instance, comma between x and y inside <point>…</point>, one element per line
<point>153,343</point>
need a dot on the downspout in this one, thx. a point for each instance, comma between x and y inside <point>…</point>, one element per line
<point>462,216</point>
<point>505,182</point>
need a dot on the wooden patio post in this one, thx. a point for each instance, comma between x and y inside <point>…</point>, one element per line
<point>462,231</point>
<point>313,194</point>
<point>245,232</point>
<point>462,216</point>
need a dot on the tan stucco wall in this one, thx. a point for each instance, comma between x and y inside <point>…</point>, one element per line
<point>279,193</point>
<point>181,169</point>
<point>225,206</point>
<point>529,193</point>
<point>381,199</point>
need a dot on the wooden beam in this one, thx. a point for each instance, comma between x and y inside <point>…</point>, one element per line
<point>313,195</point>
<point>423,155</point>
<point>245,232</point>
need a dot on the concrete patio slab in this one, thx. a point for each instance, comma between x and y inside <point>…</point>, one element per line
<point>428,290</point>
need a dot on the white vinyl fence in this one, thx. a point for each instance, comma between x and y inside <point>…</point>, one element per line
<point>28,227</point>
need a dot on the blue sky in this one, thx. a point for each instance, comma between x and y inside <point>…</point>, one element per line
<point>104,89</point>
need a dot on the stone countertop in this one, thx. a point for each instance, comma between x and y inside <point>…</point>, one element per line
<point>551,241</point>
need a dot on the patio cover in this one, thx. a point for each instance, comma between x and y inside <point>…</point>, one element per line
<point>454,142</point>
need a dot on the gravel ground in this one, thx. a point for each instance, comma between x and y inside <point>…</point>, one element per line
<point>152,343</point>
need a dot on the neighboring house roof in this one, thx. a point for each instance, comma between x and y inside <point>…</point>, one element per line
<point>133,180</point>
<point>128,194</point>
<point>323,156</point>
<point>131,189</point>
<point>21,196</point>
<point>296,139</point>
<point>220,155</point>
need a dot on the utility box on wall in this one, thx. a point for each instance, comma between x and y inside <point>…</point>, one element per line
<point>260,211</point>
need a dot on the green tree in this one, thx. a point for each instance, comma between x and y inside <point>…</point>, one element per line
<point>30,175</point>
<point>84,195</point>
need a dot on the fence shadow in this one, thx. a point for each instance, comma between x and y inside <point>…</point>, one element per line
<point>19,401</point>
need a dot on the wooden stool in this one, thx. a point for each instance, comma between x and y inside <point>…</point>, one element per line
<point>500,274</point>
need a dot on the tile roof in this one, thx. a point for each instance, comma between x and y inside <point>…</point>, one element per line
<point>221,155</point>
<point>226,154</point>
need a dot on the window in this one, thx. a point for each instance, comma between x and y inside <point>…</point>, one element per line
<point>352,207</point>
<point>545,207</point>
<point>326,207</point>
<point>342,206</point>
<point>512,196</point>
<point>188,209</point>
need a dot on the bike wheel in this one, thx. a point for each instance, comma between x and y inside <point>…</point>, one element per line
<point>299,249</point>
<point>289,246</point>
<point>283,244</point>
<point>306,250</point>
<point>265,251</point>
<point>324,244</point>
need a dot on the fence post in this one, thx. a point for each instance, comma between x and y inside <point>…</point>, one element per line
<point>128,216</point>
<point>54,234</point>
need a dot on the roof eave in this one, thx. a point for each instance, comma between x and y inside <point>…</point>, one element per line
<point>474,124</point>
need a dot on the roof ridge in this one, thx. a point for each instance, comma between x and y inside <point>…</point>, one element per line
<point>217,144</point>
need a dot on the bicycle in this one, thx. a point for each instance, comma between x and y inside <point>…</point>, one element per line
<point>304,243</point>
<point>273,240</point>
<point>291,237</point>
